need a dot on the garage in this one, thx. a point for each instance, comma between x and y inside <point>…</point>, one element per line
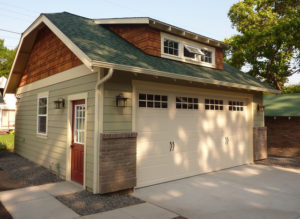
<point>187,131</point>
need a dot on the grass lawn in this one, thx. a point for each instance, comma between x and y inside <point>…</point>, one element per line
<point>7,142</point>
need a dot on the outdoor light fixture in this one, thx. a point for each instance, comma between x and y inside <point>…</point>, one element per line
<point>60,103</point>
<point>260,108</point>
<point>121,100</point>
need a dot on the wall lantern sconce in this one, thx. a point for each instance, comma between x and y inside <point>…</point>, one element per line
<point>260,108</point>
<point>121,101</point>
<point>60,103</point>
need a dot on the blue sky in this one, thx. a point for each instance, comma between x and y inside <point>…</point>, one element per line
<point>208,18</point>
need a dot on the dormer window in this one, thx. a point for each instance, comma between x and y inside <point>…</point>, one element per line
<point>192,52</point>
<point>184,50</point>
<point>207,56</point>
<point>171,47</point>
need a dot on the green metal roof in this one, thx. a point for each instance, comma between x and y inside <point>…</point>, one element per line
<point>282,105</point>
<point>101,44</point>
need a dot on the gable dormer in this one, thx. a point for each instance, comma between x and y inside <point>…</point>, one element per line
<point>163,40</point>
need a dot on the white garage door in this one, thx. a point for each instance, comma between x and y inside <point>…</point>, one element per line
<point>184,134</point>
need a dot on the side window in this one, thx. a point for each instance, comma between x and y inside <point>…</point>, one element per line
<point>235,105</point>
<point>42,113</point>
<point>153,100</point>
<point>212,104</point>
<point>186,103</point>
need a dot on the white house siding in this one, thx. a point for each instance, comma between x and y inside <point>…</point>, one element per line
<point>52,149</point>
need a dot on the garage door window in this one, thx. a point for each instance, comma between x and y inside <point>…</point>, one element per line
<point>235,105</point>
<point>153,100</point>
<point>186,103</point>
<point>213,104</point>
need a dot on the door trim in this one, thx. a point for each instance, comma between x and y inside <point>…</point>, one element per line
<point>71,98</point>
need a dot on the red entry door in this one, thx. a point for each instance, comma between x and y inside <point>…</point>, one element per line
<point>78,136</point>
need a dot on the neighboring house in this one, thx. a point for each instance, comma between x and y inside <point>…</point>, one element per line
<point>7,108</point>
<point>121,103</point>
<point>282,118</point>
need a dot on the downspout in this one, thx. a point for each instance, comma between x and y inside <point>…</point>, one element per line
<point>96,131</point>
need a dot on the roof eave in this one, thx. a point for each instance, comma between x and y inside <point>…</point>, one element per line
<point>181,77</point>
<point>164,27</point>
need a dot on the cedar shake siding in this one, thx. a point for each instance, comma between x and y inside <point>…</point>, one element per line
<point>142,36</point>
<point>219,59</point>
<point>49,56</point>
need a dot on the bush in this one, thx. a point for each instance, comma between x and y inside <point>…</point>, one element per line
<point>7,142</point>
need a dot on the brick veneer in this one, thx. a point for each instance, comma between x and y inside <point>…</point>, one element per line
<point>117,162</point>
<point>142,36</point>
<point>49,56</point>
<point>283,132</point>
<point>260,143</point>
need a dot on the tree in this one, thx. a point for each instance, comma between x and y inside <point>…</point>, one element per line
<point>268,40</point>
<point>291,89</point>
<point>6,59</point>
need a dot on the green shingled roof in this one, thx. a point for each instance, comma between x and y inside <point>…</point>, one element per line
<point>100,44</point>
<point>282,105</point>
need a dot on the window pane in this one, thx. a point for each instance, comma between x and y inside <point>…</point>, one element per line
<point>190,100</point>
<point>164,105</point>
<point>149,97</point>
<point>157,97</point>
<point>149,104</point>
<point>178,105</point>
<point>42,106</point>
<point>164,98</point>
<point>142,96</point>
<point>142,103</point>
<point>42,120</point>
<point>190,106</point>
<point>207,107</point>
<point>195,100</point>
<point>178,99</point>
<point>196,106</point>
<point>157,104</point>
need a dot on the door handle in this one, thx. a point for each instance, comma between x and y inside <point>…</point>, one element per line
<point>172,145</point>
<point>226,140</point>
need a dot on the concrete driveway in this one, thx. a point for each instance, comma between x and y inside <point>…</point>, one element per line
<point>248,191</point>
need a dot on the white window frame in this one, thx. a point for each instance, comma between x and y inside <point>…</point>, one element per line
<point>182,42</point>
<point>40,96</point>
<point>163,47</point>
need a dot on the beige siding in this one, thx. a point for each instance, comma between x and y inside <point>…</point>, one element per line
<point>52,149</point>
<point>117,119</point>
<point>258,117</point>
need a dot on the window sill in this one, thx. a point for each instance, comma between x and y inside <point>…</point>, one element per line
<point>188,60</point>
<point>40,135</point>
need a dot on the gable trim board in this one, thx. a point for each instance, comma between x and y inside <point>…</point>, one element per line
<point>95,71</point>
<point>42,19</point>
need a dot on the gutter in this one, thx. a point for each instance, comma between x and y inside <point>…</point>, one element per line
<point>181,77</point>
<point>97,128</point>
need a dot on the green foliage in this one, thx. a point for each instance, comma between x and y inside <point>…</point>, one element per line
<point>7,142</point>
<point>6,59</point>
<point>268,41</point>
<point>291,89</point>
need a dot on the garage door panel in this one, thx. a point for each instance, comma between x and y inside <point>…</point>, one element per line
<point>204,140</point>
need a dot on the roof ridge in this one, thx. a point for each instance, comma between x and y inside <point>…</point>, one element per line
<point>66,12</point>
